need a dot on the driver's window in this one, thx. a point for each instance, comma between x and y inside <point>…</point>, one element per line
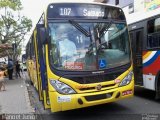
<point>157,25</point>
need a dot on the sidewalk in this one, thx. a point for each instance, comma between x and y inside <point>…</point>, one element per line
<point>15,100</point>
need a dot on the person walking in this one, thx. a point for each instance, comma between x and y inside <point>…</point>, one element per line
<point>2,82</point>
<point>10,69</point>
<point>18,69</point>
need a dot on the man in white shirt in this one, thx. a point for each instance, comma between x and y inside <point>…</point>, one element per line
<point>67,48</point>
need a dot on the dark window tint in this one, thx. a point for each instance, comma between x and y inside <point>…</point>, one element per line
<point>157,25</point>
<point>153,40</point>
<point>117,2</point>
<point>131,8</point>
<point>154,25</point>
<point>138,42</point>
<point>150,26</point>
<point>153,33</point>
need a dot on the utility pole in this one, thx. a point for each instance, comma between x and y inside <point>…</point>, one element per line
<point>14,46</point>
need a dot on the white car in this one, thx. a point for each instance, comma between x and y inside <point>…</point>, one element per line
<point>23,66</point>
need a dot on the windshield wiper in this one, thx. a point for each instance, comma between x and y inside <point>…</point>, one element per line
<point>105,29</point>
<point>80,28</point>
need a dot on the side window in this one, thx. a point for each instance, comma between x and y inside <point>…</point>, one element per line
<point>32,48</point>
<point>150,26</point>
<point>28,51</point>
<point>154,25</point>
<point>117,2</point>
<point>153,40</point>
<point>157,25</point>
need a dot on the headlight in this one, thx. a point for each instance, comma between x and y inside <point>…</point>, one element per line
<point>62,87</point>
<point>127,79</point>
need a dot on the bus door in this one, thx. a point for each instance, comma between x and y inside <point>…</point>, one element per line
<point>136,43</point>
<point>42,69</point>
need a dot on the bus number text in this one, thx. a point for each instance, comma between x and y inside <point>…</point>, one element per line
<point>65,11</point>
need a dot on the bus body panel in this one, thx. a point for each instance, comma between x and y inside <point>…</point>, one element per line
<point>33,73</point>
<point>61,102</point>
<point>39,84</point>
<point>150,54</point>
<point>151,67</point>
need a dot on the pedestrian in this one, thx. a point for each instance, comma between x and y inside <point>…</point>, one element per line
<point>10,69</point>
<point>21,68</point>
<point>2,82</point>
<point>18,69</point>
<point>66,48</point>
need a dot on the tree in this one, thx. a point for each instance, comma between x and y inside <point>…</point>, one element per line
<point>13,26</point>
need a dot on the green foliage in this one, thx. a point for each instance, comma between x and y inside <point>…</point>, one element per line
<point>13,4</point>
<point>13,26</point>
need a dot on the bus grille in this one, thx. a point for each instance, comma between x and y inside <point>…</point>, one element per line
<point>94,79</point>
<point>94,88</point>
<point>98,97</point>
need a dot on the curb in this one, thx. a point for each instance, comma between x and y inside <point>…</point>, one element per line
<point>29,106</point>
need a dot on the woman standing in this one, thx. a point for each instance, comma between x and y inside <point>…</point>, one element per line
<point>18,69</point>
<point>10,69</point>
<point>2,82</point>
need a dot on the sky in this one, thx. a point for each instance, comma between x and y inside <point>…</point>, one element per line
<point>33,10</point>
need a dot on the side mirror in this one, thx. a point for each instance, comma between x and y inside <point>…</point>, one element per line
<point>43,35</point>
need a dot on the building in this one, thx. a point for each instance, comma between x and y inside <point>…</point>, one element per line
<point>134,8</point>
<point>120,3</point>
<point>143,9</point>
<point>101,1</point>
<point>138,5</point>
<point>128,5</point>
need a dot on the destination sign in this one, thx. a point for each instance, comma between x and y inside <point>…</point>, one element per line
<point>85,12</point>
<point>88,11</point>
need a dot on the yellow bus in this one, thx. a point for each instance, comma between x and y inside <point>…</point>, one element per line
<point>79,55</point>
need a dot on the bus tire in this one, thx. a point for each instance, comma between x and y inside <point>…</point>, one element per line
<point>31,83</point>
<point>157,86</point>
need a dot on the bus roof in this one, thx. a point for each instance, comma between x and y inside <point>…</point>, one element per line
<point>87,2</point>
<point>139,16</point>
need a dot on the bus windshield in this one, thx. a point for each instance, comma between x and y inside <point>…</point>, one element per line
<point>82,46</point>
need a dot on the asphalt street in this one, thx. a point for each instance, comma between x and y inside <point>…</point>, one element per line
<point>142,106</point>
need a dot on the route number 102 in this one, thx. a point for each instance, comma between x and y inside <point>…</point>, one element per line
<point>65,11</point>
